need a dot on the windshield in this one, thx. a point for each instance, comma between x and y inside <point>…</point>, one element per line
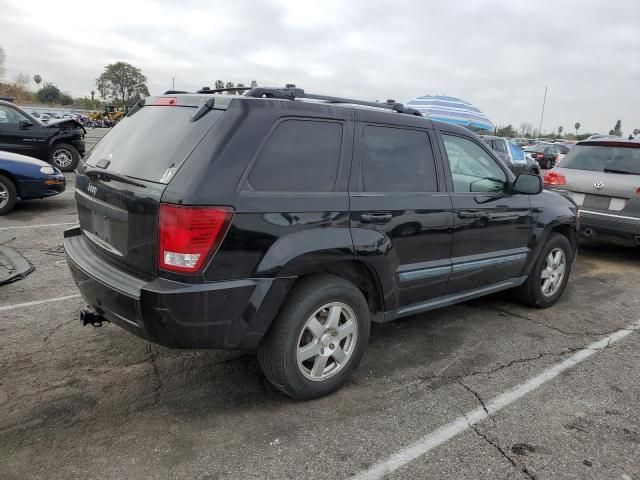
<point>600,158</point>
<point>153,143</point>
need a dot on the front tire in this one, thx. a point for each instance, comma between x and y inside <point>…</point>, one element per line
<point>8,195</point>
<point>318,338</point>
<point>64,156</point>
<point>549,275</point>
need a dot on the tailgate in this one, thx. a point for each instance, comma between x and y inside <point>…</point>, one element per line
<point>120,221</point>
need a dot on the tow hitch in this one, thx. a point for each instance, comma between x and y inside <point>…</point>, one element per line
<point>90,317</point>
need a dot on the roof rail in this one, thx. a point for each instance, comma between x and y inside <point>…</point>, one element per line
<point>217,90</point>
<point>291,93</point>
<point>174,92</point>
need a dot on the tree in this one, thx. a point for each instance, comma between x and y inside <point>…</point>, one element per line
<point>66,99</point>
<point>577,127</point>
<point>49,93</point>
<point>3,57</point>
<point>93,93</point>
<point>38,79</point>
<point>122,83</point>
<point>560,130</point>
<point>254,84</point>
<point>507,131</point>
<point>219,84</point>
<point>21,81</point>
<point>636,132</point>
<point>617,130</point>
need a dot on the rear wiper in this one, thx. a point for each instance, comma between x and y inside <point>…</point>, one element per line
<point>103,174</point>
<point>613,170</point>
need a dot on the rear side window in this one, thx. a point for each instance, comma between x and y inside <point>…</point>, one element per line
<point>299,156</point>
<point>498,146</point>
<point>397,160</point>
<point>153,143</point>
<point>601,158</point>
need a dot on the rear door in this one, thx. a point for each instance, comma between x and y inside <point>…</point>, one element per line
<point>400,214</point>
<point>118,189</point>
<point>491,226</point>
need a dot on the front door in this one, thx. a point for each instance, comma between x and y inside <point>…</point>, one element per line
<point>492,227</point>
<point>400,213</point>
<point>16,138</point>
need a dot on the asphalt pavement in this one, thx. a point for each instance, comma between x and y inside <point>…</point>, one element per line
<point>488,389</point>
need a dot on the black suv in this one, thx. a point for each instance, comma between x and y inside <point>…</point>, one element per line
<point>60,142</point>
<point>287,222</point>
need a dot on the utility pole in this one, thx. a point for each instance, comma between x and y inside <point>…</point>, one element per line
<point>542,114</point>
<point>173,83</point>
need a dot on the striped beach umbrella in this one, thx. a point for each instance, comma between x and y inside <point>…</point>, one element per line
<point>452,110</point>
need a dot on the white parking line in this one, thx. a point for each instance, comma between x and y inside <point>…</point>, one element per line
<point>37,226</point>
<point>37,302</point>
<point>460,424</point>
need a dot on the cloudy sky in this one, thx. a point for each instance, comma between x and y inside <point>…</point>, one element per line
<point>497,54</point>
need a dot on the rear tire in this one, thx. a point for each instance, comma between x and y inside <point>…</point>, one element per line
<point>64,156</point>
<point>535,292</point>
<point>8,195</point>
<point>300,356</point>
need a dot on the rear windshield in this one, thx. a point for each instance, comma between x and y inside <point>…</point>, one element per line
<point>153,143</point>
<point>601,158</point>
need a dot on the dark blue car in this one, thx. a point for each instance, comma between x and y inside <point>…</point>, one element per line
<point>26,178</point>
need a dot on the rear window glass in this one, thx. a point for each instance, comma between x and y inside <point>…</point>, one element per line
<point>300,156</point>
<point>152,141</point>
<point>601,158</point>
<point>397,160</point>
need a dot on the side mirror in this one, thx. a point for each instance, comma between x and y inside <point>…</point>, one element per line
<point>25,124</point>
<point>528,184</point>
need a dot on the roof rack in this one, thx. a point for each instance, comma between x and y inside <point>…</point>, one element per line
<point>217,90</point>
<point>290,92</point>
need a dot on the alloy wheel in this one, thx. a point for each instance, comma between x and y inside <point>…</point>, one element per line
<point>327,341</point>
<point>553,272</point>
<point>62,158</point>
<point>4,195</point>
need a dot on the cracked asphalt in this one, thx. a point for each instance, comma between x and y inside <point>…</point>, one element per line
<point>82,402</point>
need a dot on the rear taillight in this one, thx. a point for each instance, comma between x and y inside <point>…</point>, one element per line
<point>638,191</point>
<point>539,155</point>
<point>187,236</point>
<point>554,178</point>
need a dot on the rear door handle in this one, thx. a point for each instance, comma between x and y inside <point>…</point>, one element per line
<point>375,217</point>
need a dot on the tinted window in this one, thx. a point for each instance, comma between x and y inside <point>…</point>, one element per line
<point>152,143</point>
<point>397,160</point>
<point>472,168</point>
<point>300,156</point>
<point>600,158</point>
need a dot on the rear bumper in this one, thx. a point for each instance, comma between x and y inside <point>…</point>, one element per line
<point>612,228</point>
<point>228,314</point>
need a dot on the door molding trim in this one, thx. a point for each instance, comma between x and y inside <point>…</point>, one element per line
<point>450,299</point>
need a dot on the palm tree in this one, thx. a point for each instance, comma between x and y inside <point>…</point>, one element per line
<point>93,93</point>
<point>577,127</point>
<point>560,129</point>
<point>37,78</point>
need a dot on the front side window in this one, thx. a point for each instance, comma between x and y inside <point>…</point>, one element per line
<point>299,156</point>
<point>472,168</point>
<point>9,115</point>
<point>397,160</point>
